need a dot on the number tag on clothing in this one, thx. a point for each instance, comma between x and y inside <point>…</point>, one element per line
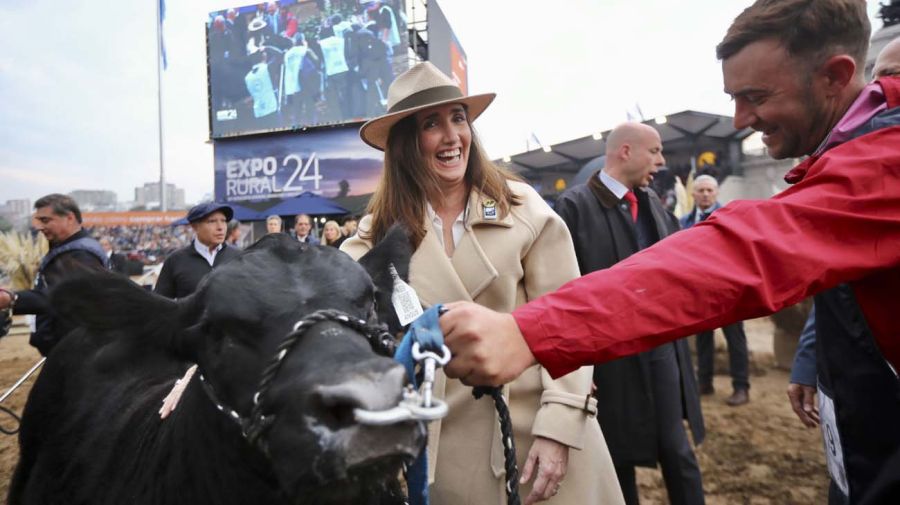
<point>834,454</point>
<point>32,322</point>
<point>405,300</point>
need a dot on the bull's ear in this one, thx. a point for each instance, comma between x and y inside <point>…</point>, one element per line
<point>394,249</point>
<point>105,301</point>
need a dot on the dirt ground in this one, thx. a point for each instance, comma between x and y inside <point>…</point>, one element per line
<point>757,454</point>
<point>16,357</point>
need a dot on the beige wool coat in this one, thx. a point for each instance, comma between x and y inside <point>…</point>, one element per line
<point>502,263</point>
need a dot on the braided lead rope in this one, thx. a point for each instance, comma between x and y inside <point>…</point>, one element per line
<point>257,423</point>
<point>509,445</point>
<point>254,425</point>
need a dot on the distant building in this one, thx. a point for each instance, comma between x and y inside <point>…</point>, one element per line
<point>95,200</point>
<point>16,212</point>
<point>20,206</point>
<point>148,196</point>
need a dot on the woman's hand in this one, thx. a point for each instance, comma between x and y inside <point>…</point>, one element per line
<point>552,460</point>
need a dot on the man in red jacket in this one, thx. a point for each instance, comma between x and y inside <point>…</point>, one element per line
<point>795,71</point>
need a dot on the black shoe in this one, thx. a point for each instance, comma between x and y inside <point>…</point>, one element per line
<point>707,389</point>
<point>739,397</point>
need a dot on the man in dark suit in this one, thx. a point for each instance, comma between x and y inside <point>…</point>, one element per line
<point>117,262</point>
<point>705,191</point>
<point>641,399</point>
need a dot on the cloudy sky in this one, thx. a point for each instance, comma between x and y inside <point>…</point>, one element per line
<point>79,81</point>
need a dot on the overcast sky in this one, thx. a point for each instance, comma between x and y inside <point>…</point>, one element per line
<point>79,85</point>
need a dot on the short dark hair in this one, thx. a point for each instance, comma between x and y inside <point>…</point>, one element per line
<point>813,29</point>
<point>59,204</point>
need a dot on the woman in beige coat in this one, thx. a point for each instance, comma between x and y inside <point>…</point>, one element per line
<point>478,235</point>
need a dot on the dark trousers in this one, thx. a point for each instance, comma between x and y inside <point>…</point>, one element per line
<point>680,470</point>
<point>738,359</point>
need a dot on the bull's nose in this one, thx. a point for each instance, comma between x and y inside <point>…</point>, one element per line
<point>368,391</point>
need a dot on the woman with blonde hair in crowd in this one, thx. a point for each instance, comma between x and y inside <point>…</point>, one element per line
<point>481,235</point>
<point>331,234</point>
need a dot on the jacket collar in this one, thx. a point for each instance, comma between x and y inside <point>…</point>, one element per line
<point>890,87</point>
<point>465,276</point>
<point>606,197</point>
<point>479,205</point>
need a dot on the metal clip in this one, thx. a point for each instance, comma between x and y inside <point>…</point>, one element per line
<point>409,409</point>
<point>431,360</point>
<point>415,405</point>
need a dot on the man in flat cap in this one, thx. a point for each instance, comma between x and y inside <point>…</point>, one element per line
<point>184,268</point>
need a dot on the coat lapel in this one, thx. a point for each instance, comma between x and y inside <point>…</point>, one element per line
<point>618,215</point>
<point>439,279</point>
<point>433,274</point>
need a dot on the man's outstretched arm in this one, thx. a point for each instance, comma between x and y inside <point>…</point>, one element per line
<point>840,224</point>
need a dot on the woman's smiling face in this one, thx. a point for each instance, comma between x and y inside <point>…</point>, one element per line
<point>444,140</point>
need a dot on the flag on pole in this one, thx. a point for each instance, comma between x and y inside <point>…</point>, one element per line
<point>161,14</point>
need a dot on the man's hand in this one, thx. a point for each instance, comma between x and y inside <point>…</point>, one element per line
<point>5,299</point>
<point>552,461</point>
<point>803,401</point>
<point>488,348</point>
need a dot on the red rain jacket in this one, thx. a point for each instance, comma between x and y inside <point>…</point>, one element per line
<point>840,223</point>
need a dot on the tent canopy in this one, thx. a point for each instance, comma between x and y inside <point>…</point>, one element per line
<point>306,203</point>
<point>677,129</point>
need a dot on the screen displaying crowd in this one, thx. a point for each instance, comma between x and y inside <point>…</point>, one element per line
<point>297,63</point>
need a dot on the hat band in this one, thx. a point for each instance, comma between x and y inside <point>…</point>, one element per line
<point>426,97</point>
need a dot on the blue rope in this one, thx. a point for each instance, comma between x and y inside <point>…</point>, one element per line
<point>427,332</point>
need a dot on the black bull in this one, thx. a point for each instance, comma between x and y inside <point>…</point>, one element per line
<point>91,433</point>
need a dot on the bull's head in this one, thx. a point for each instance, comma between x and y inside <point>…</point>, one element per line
<point>244,310</point>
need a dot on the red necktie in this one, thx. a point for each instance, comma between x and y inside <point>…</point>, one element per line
<point>632,203</point>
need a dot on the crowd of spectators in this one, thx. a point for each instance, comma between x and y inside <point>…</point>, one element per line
<point>148,244</point>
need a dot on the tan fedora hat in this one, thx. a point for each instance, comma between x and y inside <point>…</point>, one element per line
<point>418,88</point>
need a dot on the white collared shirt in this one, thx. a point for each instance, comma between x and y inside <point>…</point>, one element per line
<point>613,185</point>
<point>204,251</point>
<point>457,229</point>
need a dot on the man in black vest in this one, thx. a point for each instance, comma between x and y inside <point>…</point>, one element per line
<point>72,250</point>
<point>185,268</point>
<point>639,398</point>
<point>705,191</point>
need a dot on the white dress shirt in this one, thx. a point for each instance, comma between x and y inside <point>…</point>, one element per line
<point>613,185</point>
<point>204,251</point>
<point>457,229</point>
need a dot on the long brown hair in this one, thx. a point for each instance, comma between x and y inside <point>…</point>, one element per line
<point>405,185</point>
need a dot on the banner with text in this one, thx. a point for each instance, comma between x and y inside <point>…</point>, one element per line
<point>133,218</point>
<point>332,163</point>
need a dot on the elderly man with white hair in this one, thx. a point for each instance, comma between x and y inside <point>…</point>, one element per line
<point>705,191</point>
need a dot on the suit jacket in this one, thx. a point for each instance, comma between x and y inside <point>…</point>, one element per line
<point>118,263</point>
<point>502,264</point>
<point>604,234</point>
<point>690,218</point>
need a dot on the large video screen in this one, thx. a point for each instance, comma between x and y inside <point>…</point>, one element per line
<point>302,63</point>
<point>444,50</point>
